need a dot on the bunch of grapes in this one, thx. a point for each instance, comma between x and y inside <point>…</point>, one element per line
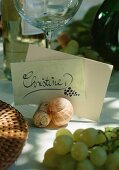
<point>70,92</point>
<point>85,149</point>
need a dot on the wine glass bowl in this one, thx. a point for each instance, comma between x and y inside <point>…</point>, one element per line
<point>47,15</point>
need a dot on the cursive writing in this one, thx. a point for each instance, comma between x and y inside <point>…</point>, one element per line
<point>36,83</point>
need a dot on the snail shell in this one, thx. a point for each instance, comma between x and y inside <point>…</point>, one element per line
<point>41,118</point>
<point>61,110</point>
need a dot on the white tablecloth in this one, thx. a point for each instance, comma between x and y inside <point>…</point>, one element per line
<point>39,140</point>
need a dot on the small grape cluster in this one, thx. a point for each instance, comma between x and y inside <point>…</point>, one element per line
<point>85,149</point>
<point>71,48</point>
<point>70,92</point>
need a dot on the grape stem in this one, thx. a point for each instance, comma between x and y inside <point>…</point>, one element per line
<point>107,142</point>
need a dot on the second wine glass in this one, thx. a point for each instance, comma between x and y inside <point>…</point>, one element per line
<point>47,15</point>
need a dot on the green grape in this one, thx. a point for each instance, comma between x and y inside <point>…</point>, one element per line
<point>105,147</point>
<point>111,132</point>
<point>64,131</point>
<point>88,136</point>
<point>51,158</point>
<point>113,167</point>
<point>70,50</point>
<point>62,144</point>
<point>73,43</point>
<point>101,138</point>
<point>100,168</point>
<point>72,47</point>
<point>108,129</point>
<point>76,135</point>
<point>66,162</point>
<point>79,151</point>
<point>89,53</point>
<point>116,129</point>
<point>98,156</point>
<point>116,143</point>
<point>109,135</point>
<point>115,132</point>
<point>112,162</point>
<point>85,165</point>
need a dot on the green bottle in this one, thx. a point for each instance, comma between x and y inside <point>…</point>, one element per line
<point>105,32</point>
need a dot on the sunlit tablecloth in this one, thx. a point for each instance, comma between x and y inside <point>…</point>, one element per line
<point>40,140</point>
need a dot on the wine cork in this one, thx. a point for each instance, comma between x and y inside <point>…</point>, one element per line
<point>41,118</point>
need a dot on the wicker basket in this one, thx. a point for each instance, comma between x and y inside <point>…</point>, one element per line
<point>13,134</point>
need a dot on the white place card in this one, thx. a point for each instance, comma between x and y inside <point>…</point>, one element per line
<point>87,79</point>
<point>43,80</point>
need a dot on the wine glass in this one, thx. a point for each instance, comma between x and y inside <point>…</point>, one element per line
<point>47,15</point>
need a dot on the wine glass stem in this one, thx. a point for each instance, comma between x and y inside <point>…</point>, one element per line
<point>48,38</point>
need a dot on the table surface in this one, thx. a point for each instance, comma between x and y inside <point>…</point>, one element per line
<point>40,139</point>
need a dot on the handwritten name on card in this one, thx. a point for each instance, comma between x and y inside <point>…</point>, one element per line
<point>35,82</point>
<point>63,82</point>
